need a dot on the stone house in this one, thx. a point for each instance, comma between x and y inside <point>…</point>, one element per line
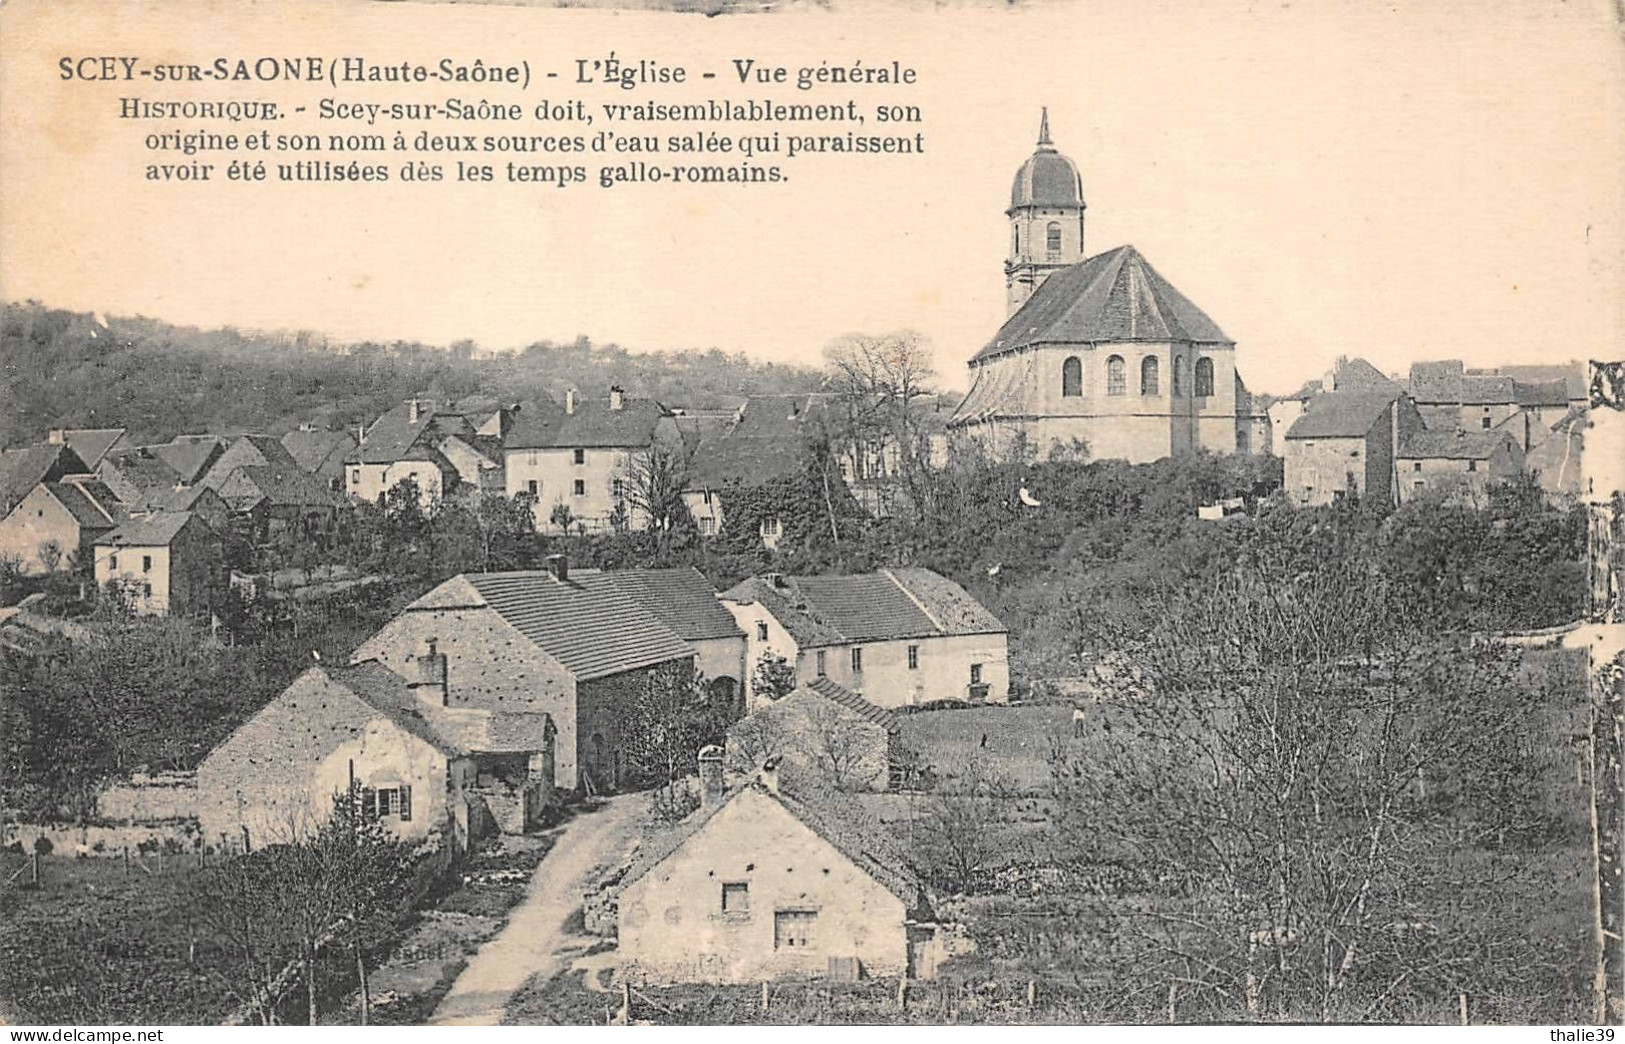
<point>56,524</point>
<point>1345,442</point>
<point>245,451</point>
<point>1458,463</point>
<point>684,600</point>
<point>1347,375</point>
<point>91,444</point>
<point>1451,397</point>
<point>272,499</point>
<point>897,637</point>
<point>428,769</point>
<point>584,459</point>
<point>321,452</point>
<point>192,456</point>
<point>404,444</point>
<point>766,441</point>
<point>762,883</point>
<point>165,562</point>
<point>570,646</point>
<point>821,732</point>
<point>140,478</point>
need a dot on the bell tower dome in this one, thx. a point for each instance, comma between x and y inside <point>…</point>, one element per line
<point>1046,219</point>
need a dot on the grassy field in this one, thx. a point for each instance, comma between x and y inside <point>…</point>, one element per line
<point>1014,740</point>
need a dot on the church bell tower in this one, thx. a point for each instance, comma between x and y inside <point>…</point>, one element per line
<point>1046,219</point>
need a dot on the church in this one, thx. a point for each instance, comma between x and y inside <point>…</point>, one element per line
<point>1100,349</point>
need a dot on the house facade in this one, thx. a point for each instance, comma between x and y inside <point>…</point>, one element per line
<point>1456,463</point>
<point>321,452</point>
<point>56,524</point>
<point>762,884</point>
<point>1345,443</point>
<point>428,771</point>
<point>580,463</point>
<point>401,445</point>
<point>541,641</point>
<point>898,637</point>
<point>824,733</point>
<point>163,562</point>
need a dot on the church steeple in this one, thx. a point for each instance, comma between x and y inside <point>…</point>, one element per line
<point>1046,218</point>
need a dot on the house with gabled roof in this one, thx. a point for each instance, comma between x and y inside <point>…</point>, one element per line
<point>163,562</point>
<point>573,647</point>
<point>1451,397</point>
<point>581,461</point>
<point>56,523</point>
<point>1456,463</point>
<point>899,637</point>
<point>427,769</point>
<point>282,498</point>
<point>91,444</point>
<point>822,732</point>
<point>685,601</point>
<point>191,456</point>
<point>1345,443</point>
<point>141,478</point>
<point>766,881</point>
<point>321,452</point>
<point>246,451</point>
<point>403,444</point>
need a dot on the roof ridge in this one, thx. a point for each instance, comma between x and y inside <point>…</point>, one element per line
<point>918,604</point>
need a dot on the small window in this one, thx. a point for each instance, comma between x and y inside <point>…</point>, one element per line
<point>1072,378</point>
<point>355,476</point>
<point>533,488</point>
<point>761,630</point>
<point>1204,378</point>
<point>793,929</point>
<point>112,561</point>
<point>1149,377</point>
<point>1485,423</point>
<point>581,487</point>
<point>1472,465</point>
<point>617,489</point>
<point>1417,466</point>
<point>857,660</point>
<point>386,803</point>
<point>822,664</point>
<point>581,456</point>
<point>1179,377</point>
<point>736,900</point>
<point>1052,238</point>
<point>914,657</point>
<point>708,525</point>
<point>146,563</point>
<point>976,674</point>
<point>1116,383</point>
<point>771,527</point>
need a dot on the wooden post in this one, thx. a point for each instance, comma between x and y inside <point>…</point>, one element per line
<point>626,1003</point>
<point>33,868</point>
<point>245,839</point>
<point>126,860</point>
<point>1463,999</point>
<point>361,973</point>
<point>902,994</point>
<point>1032,992</point>
<point>764,995</point>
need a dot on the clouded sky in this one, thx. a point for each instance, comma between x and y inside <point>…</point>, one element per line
<point>1397,181</point>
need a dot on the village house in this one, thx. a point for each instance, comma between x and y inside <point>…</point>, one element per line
<point>898,637</point>
<point>582,465</point>
<point>245,451</point>
<point>404,444</point>
<point>201,501</point>
<point>1457,463</point>
<point>824,733</point>
<point>191,456</point>
<point>426,768</point>
<point>140,478</point>
<point>274,499</point>
<point>684,600</point>
<point>164,562</point>
<point>765,442</point>
<point>765,883</point>
<point>321,452</point>
<point>1450,397</point>
<point>91,444</point>
<point>50,508</point>
<point>1346,374</point>
<point>548,641</point>
<point>1345,442</point>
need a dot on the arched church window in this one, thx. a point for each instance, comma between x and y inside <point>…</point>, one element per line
<point>1052,237</point>
<point>1072,377</point>
<point>1204,377</point>
<point>1115,382</point>
<point>1179,376</point>
<point>1148,376</point>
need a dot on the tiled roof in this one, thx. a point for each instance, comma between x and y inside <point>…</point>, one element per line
<point>1573,375</point>
<point>92,444</point>
<point>247,451</point>
<point>23,469</point>
<point>868,607</point>
<point>82,507</point>
<point>148,472</point>
<point>393,434</point>
<point>1541,393</point>
<point>682,599</point>
<point>1340,415</point>
<point>840,694</point>
<point>594,631</point>
<point>319,452</point>
<point>190,455</point>
<point>452,730</point>
<point>158,529</point>
<point>1452,445</point>
<point>1447,381</point>
<point>592,425</point>
<point>1358,375</point>
<point>534,425</point>
<point>281,485</point>
<point>1115,296</point>
<point>867,843</point>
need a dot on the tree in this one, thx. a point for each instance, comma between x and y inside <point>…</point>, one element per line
<point>774,677</point>
<point>877,381</point>
<point>842,746</point>
<point>965,825</point>
<point>50,555</point>
<point>670,718</point>
<point>654,484</point>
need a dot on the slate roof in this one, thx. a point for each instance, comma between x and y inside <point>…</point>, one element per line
<point>158,529</point>
<point>840,694</point>
<point>1452,445</point>
<point>92,444</point>
<point>1541,393</point>
<point>1447,381</point>
<point>1336,415</point>
<point>592,425</point>
<point>319,452</point>
<point>867,843</point>
<point>1111,297</point>
<point>279,485</point>
<point>148,472</point>
<point>91,504</point>
<point>190,455</point>
<point>451,730</point>
<point>393,434</point>
<point>593,630</point>
<point>889,605</point>
<point>682,599</point>
<point>23,469</point>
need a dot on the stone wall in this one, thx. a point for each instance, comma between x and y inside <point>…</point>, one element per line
<point>166,795</point>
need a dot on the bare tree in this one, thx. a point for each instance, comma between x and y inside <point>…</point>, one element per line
<point>843,746</point>
<point>877,381</point>
<point>654,483</point>
<point>965,826</point>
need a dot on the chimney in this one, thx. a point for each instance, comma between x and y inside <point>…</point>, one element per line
<point>569,400</point>
<point>430,684</point>
<point>770,774</point>
<point>414,409</point>
<point>774,579</point>
<point>559,566</point>
<point>616,397</point>
<point>57,436</point>
<point>711,779</point>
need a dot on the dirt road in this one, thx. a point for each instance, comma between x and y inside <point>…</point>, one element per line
<point>534,936</point>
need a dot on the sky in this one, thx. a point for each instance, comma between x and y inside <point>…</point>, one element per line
<point>1396,181</point>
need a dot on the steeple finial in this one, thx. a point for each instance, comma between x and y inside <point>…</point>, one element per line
<point>1043,128</point>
